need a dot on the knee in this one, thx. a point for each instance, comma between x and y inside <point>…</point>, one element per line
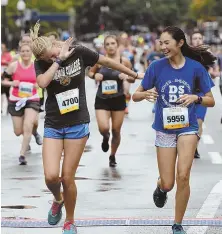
<point>116,133</point>
<point>104,130</point>
<point>182,179</point>
<point>167,185</point>
<point>27,127</point>
<point>67,180</point>
<point>52,179</point>
<point>18,132</point>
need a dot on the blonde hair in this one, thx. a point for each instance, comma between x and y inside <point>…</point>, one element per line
<point>39,44</point>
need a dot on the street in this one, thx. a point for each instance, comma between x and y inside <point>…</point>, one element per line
<point>111,195</point>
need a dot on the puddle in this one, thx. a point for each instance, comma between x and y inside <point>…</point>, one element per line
<point>18,207</point>
<point>25,178</point>
<point>46,191</point>
<point>107,189</point>
<point>17,218</point>
<point>88,148</point>
<point>82,178</point>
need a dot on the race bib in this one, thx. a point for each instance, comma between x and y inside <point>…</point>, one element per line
<point>109,87</point>
<point>25,89</point>
<point>175,117</point>
<point>68,101</point>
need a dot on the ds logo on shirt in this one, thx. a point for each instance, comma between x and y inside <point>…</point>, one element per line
<point>175,89</point>
<point>175,92</point>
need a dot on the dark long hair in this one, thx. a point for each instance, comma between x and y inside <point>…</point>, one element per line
<point>200,53</point>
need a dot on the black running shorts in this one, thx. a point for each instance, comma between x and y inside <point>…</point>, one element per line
<point>111,104</point>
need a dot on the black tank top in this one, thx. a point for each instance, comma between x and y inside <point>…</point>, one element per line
<point>111,86</point>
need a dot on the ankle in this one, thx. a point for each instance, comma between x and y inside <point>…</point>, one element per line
<point>69,220</point>
<point>177,223</point>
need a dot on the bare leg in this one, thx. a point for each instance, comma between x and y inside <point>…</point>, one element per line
<point>73,150</point>
<point>186,147</point>
<point>52,152</point>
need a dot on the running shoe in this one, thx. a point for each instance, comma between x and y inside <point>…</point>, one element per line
<point>55,213</point>
<point>22,160</point>
<point>38,138</point>
<point>178,229</point>
<point>159,197</point>
<point>105,144</point>
<point>112,161</point>
<point>196,155</point>
<point>69,228</point>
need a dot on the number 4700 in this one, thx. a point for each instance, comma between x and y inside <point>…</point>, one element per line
<point>176,118</point>
<point>70,101</point>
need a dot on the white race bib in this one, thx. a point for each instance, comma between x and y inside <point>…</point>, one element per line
<point>68,101</point>
<point>25,89</point>
<point>175,117</point>
<point>109,87</point>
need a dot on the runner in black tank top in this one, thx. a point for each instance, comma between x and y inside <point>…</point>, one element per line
<point>110,98</point>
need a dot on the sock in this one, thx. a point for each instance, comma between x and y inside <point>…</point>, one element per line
<point>178,223</point>
<point>59,202</point>
<point>162,191</point>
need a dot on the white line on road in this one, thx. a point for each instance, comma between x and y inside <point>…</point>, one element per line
<point>207,139</point>
<point>216,158</point>
<point>209,208</point>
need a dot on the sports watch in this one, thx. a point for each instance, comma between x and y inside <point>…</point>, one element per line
<point>199,100</point>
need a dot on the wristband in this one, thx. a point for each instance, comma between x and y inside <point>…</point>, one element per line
<point>199,100</point>
<point>58,61</point>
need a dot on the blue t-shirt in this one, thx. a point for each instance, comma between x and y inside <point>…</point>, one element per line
<point>172,83</point>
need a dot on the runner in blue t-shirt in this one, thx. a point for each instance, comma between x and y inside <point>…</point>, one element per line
<point>174,78</point>
<point>197,40</point>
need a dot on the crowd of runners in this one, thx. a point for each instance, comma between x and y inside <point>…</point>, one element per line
<point>47,65</point>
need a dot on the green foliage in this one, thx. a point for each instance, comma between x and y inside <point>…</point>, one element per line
<point>57,6</point>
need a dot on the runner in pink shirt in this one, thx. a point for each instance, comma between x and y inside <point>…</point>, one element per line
<point>24,103</point>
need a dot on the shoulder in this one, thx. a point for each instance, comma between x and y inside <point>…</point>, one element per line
<point>12,67</point>
<point>159,62</point>
<point>193,63</point>
<point>41,65</point>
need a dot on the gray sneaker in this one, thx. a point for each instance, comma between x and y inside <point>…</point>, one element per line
<point>178,229</point>
<point>38,138</point>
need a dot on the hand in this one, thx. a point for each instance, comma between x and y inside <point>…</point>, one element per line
<point>123,76</point>
<point>140,75</point>
<point>15,83</point>
<point>130,79</point>
<point>98,77</point>
<point>36,86</point>
<point>151,95</point>
<point>187,99</point>
<point>65,52</point>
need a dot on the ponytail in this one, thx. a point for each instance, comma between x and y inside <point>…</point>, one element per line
<point>200,53</point>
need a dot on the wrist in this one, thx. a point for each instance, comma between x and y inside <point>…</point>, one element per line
<point>198,99</point>
<point>58,61</point>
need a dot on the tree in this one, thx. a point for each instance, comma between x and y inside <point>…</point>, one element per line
<point>203,9</point>
<point>42,6</point>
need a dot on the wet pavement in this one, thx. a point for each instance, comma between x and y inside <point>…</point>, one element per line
<point>123,193</point>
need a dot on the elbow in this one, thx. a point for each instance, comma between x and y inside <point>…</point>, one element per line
<point>41,81</point>
<point>213,103</point>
